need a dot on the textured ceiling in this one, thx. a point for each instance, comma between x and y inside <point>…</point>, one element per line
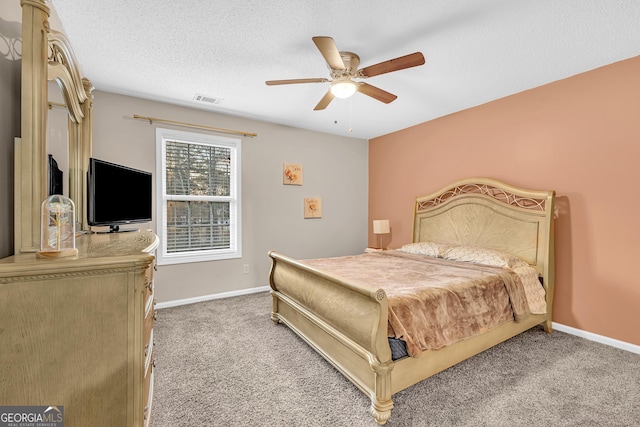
<point>476,51</point>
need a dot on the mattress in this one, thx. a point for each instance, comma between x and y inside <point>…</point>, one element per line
<point>434,302</point>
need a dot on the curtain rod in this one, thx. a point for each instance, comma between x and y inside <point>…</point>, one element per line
<point>191,125</point>
<point>56,104</point>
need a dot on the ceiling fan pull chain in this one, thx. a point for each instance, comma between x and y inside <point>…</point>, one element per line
<point>350,129</point>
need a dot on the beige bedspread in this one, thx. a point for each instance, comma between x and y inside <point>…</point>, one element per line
<point>433,302</point>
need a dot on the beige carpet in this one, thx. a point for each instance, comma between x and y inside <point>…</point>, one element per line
<point>225,363</point>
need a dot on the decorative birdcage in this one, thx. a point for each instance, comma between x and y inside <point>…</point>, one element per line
<point>57,228</point>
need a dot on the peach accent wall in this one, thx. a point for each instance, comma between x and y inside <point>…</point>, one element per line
<point>580,137</point>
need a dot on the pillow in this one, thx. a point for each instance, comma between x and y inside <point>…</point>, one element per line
<point>483,256</point>
<point>431,249</point>
<point>533,290</point>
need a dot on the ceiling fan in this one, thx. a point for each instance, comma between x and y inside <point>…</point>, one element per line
<point>344,68</point>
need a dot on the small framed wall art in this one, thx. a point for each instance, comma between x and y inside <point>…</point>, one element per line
<point>313,207</point>
<point>291,174</point>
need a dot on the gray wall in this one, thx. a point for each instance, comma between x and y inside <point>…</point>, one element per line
<point>335,169</point>
<point>10,78</point>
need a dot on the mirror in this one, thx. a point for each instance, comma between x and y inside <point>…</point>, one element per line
<point>47,57</point>
<point>76,92</point>
<point>57,140</point>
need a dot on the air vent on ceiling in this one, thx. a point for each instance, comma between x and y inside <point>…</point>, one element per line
<point>208,99</point>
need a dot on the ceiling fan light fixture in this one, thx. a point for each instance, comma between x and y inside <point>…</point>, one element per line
<point>343,88</point>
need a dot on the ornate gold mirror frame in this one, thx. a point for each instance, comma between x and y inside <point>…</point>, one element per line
<point>47,55</point>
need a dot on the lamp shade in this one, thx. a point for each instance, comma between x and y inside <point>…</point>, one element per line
<point>380,226</point>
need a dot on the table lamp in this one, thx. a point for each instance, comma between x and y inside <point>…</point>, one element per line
<point>380,227</point>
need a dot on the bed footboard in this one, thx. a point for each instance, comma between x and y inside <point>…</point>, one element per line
<point>343,320</point>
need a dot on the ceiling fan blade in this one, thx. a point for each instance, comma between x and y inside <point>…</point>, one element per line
<point>407,61</point>
<point>324,102</point>
<point>376,93</point>
<point>329,51</point>
<point>295,81</point>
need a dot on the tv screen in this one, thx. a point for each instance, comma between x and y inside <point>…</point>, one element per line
<point>117,194</point>
<point>55,177</point>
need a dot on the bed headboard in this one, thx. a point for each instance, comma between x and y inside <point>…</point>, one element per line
<point>488,213</point>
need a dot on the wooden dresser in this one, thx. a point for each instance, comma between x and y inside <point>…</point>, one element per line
<point>78,333</point>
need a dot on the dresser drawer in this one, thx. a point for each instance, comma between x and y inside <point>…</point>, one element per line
<point>148,338</point>
<point>148,398</point>
<point>148,322</point>
<point>148,287</point>
<point>149,361</point>
<point>150,271</point>
<point>148,350</point>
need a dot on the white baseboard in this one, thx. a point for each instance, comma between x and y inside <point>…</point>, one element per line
<point>210,297</point>
<point>597,338</point>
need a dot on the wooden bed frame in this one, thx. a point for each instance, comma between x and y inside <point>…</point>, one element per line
<point>346,321</point>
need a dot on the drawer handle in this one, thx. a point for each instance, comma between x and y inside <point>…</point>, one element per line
<point>146,350</point>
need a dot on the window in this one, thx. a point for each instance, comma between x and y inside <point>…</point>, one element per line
<point>198,196</point>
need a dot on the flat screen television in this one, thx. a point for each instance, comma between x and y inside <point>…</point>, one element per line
<point>117,195</point>
<point>55,177</point>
